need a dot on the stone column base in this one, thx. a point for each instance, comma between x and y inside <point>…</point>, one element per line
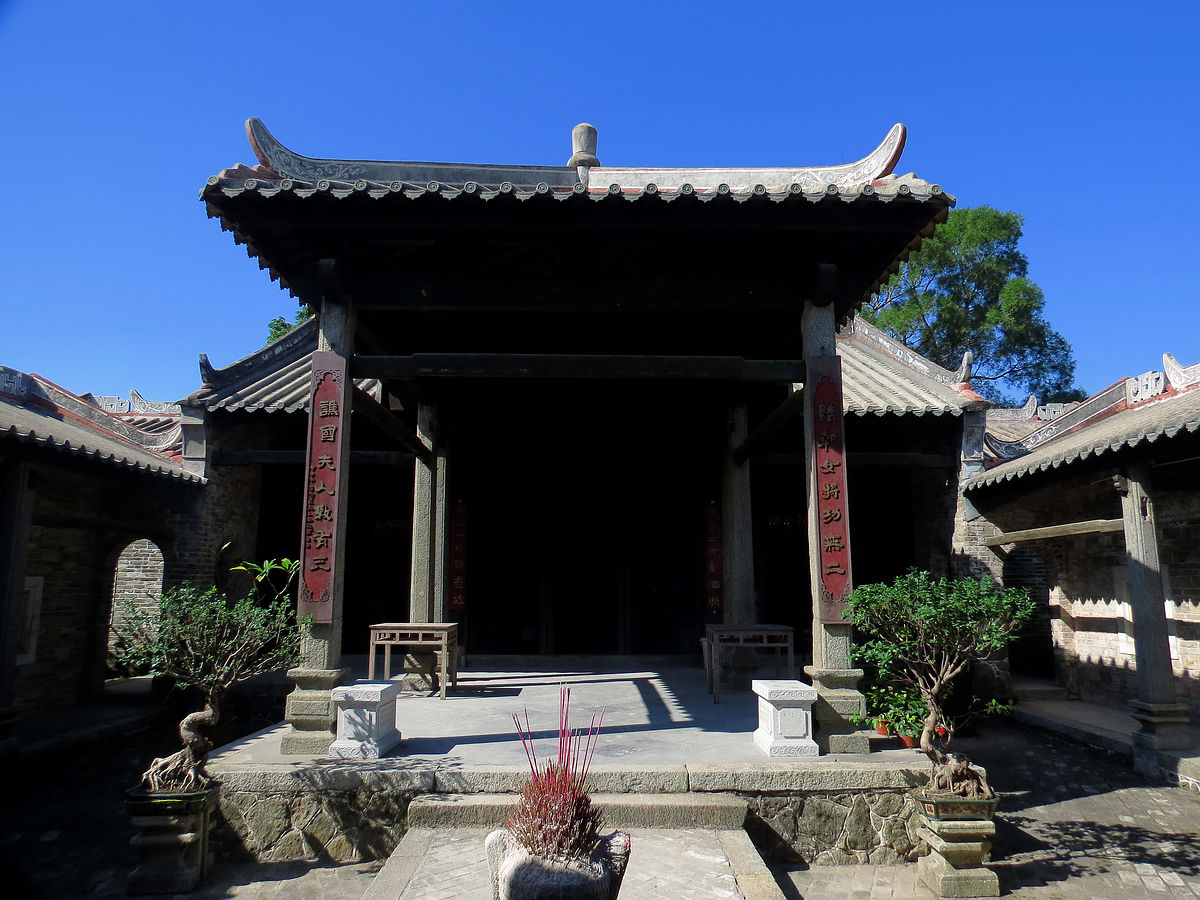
<point>420,671</point>
<point>1163,727</point>
<point>310,711</point>
<point>838,698</point>
<point>954,866</point>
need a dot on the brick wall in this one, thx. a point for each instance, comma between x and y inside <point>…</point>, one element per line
<point>1082,578</point>
<point>137,582</point>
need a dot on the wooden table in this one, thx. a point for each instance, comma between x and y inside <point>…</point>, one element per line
<point>440,635</point>
<point>720,636</point>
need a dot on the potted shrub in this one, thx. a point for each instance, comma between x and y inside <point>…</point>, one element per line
<point>550,845</point>
<point>922,632</point>
<point>205,640</point>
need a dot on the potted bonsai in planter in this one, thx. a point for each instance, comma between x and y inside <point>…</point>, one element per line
<point>205,640</point>
<point>923,632</point>
<point>550,845</point>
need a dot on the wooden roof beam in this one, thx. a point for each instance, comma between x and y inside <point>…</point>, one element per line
<point>498,365</point>
<point>375,412</point>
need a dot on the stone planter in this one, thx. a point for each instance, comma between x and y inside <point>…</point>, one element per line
<point>519,875</point>
<point>172,840</point>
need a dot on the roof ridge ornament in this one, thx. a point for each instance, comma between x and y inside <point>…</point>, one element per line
<point>288,164</point>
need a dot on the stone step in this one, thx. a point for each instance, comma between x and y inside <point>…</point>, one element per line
<point>1037,689</point>
<point>708,810</point>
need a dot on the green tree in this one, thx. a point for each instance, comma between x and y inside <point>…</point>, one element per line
<point>279,326</point>
<point>924,632</point>
<point>210,641</point>
<point>967,289</point>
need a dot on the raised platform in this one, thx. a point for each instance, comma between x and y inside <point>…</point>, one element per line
<point>661,735</point>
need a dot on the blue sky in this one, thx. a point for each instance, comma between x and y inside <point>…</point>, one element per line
<point>1080,116</point>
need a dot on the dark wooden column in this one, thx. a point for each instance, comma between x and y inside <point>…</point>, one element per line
<point>15,517</point>
<point>1162,719</point>
<point>309,710</point>
<point>737,530</point>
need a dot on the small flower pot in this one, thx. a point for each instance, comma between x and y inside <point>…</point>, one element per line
<point>909,741</point>
<point>883,728</point>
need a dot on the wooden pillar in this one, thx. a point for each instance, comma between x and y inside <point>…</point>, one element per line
<point>16,505</point>
<point>737,529</point>
<point>1163,720</point>
<point>438,604</point>
<point>309,710</point>
<point>424,526</point>
<point>832,673</point>
<point>427,601</point>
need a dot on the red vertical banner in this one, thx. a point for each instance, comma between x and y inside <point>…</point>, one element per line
<point>458,557</point>
<point>828,474</point>
<point>713,563</point>
<point>319,553</point>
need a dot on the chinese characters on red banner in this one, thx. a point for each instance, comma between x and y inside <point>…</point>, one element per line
<point>458,557</point>
<point>318,554</point>
<point>712,558</point>
<point>832,554</point>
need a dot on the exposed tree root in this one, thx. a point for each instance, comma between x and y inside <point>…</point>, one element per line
<point>183,771</point>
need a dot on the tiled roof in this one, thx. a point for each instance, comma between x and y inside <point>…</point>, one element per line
<point>276,378</point>
<point>880,376</point>
<point>281,170</point>
<point>36,411</point>
<point>1109,430</point>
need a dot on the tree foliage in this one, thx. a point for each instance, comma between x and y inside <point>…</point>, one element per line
<point>279,326</point>
<point>205,639</point>
<point>967,289</point>
<point>923,631</point>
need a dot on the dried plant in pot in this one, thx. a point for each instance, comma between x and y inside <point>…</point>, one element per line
<point>207,641</point>
<point>550,845</point>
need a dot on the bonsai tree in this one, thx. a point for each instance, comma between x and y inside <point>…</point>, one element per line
<point>204,639</point>
<point>924,632</point>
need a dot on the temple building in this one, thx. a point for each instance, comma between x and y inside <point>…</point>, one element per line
<point>621,391</point>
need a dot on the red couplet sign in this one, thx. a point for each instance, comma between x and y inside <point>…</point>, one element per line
<point>829,480</point>
<point>458,557</point>
<point>318,557</point>
<point>712,558</point>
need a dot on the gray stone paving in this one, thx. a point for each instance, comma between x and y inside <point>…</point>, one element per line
<point>1073,824</point>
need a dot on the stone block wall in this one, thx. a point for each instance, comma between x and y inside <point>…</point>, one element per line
<point>836,828</point>
<point>347,813</point>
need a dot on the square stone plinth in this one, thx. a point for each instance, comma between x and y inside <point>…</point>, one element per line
<point>366,719</point>
<point>785,718</point>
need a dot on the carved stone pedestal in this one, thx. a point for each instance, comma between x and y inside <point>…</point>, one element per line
<point>954,866</point>
<point>366,720</point>
<point>838,698</point>
<point>421,672</point>
<point>310,711</point>
<point>785,718</point>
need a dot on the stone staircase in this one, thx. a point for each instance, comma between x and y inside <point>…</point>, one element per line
<point>684,845</point>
